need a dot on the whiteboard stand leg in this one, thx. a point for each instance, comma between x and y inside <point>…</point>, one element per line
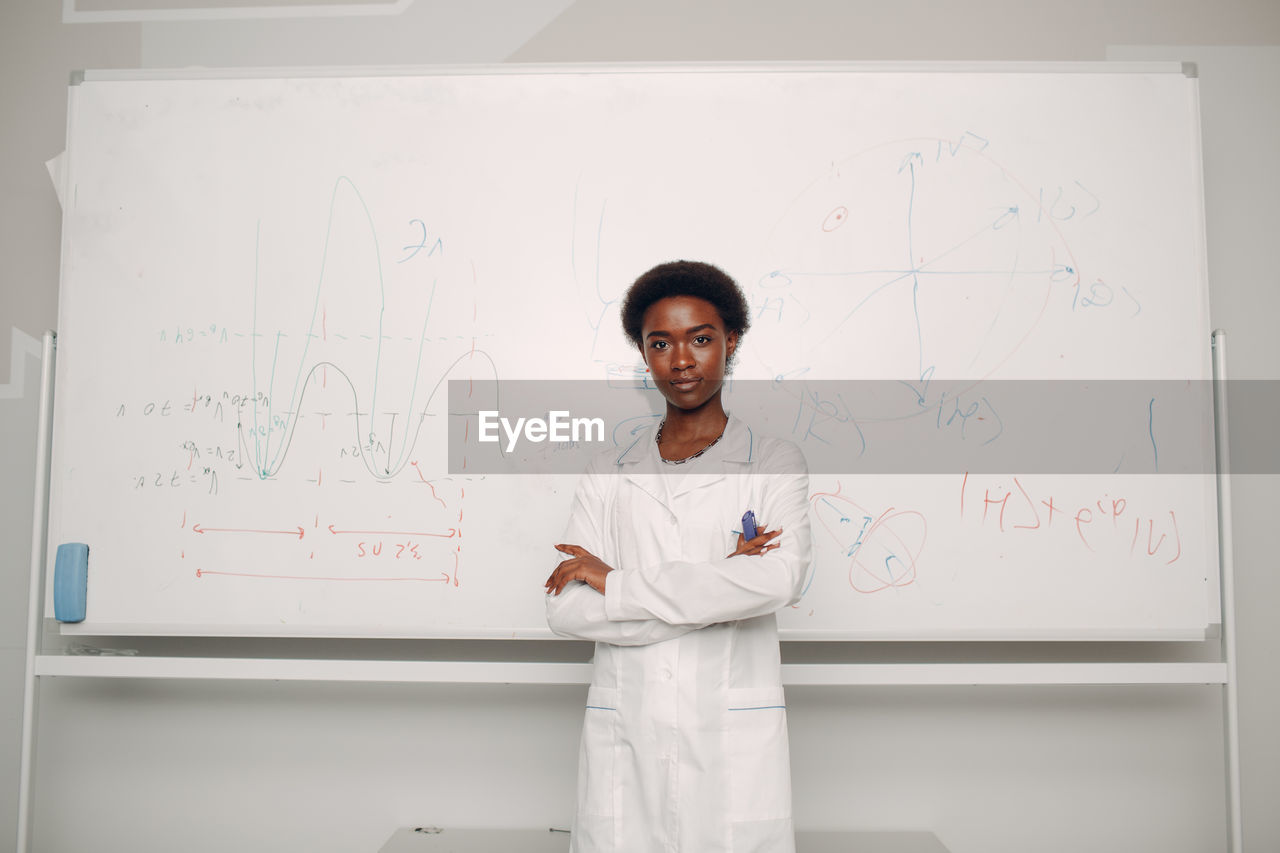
<point>1230,707</point>
<point>35,599</point>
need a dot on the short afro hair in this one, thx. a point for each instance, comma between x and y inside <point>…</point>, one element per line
<point>685,278</point>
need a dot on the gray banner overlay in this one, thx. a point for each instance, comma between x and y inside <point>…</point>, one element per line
<point>886,427</point>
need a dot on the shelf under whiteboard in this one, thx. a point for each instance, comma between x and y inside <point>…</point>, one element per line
<point>504,672</point>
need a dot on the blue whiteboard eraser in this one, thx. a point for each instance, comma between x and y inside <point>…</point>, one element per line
<point>70,582</point>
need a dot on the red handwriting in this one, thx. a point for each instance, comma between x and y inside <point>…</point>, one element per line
<point>449,534</point>
<point>397,550</point>
<point>202,573</point>
<point>348,551</point>
<point>297,531</point>
<point>1014,507</point>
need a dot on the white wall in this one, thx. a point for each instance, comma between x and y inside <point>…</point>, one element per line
<point>214,766</point>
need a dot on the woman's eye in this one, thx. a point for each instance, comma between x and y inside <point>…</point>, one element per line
<point>702,339</point>
<point>658,344</point>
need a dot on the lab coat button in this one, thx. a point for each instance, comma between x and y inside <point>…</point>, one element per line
<point>665,675</point>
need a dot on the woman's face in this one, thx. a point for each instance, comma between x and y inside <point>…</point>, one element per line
<point>686,348</point>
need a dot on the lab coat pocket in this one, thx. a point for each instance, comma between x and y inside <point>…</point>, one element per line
<point>758,760</point>
<point>597,757</point>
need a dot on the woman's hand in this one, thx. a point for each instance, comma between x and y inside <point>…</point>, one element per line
<point>582,566</point>
<point>761,544</point>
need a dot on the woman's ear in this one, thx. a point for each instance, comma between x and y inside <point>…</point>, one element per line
<point>731,344</point>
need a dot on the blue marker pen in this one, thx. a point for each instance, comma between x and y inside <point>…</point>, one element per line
<point>748,525</point>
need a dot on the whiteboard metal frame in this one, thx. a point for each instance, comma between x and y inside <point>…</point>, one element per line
<point>35,598</point>
<point>1226,577</point>
<point>39,665</point>
<point>537,68</point>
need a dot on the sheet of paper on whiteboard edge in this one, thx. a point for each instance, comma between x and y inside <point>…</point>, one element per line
<point>57,168</point>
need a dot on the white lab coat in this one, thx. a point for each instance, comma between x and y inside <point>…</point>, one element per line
<point>684,742</point>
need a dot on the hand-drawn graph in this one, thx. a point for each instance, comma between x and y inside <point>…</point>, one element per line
<point>909,260</point>
<point>379,349</point>
<point>345,380</point>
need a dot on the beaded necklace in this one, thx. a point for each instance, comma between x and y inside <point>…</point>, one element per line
<point>657,439</point>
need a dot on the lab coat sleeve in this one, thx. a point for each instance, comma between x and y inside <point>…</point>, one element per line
<point>578,612</point>
<point>740,587</point>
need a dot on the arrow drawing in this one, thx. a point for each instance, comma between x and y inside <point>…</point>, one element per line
<point>297,531</point>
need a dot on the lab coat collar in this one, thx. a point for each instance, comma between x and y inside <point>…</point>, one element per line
<point>641,464</point>
<point>738,445</point>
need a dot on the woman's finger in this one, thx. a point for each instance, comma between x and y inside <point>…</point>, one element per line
<point>766,536</point>
<point>554,577</point>
<point>561,577</point>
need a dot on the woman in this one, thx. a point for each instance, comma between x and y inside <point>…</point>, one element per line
<point>684,743</point>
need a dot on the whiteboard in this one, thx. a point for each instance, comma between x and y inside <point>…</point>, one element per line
<point>269,281</point>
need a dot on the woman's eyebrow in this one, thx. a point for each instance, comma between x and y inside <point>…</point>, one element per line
<point>659,333</point>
